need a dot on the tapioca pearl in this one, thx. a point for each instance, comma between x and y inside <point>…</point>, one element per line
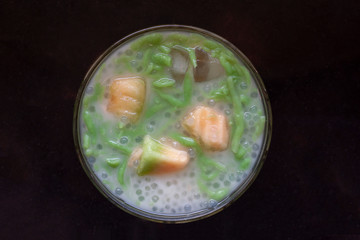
<point>160,191</point>
<point>176,196</point>
<point>212,203</point>
<point>147,188</point>
<point>207,88</point>
<point>222,177</point>
<point>167,115</point>
<point>211,102</point>
<point>91,159</point>
<point>204,204</point>
<point>197,196</point>
<point>189,199</point>
<point>155,198</point>
<point>139,181</point>
<point>104,175</point>
<point>138,139</point>
<point>173,210</point>
<point>254,94</point>
<point>200,98</point>
<point>154,185</point>
<point>251,123</point>
<point>139,55</point>
<point>124,119</point>
<point>141,198</point>
<point>150,128</point>
<point>255,147</point>
<point>216,185</point>
<point>175,144</point>
<point>118,191</point>
<point>239,175</point>
<point>253,109</point>
<point>161,210</point>
<point>184,193</point>
<point>89,90</point>
<point>247,115</point>
<point>256,118</point>
<point>167,206</point>
<point>245,144</point>
<point>128,52</point>
<point>227,183</point>
<point>177,113</point>
<point>228,112</point>
<point>243,85</point>
<point>238,178</point>
<point>254,155</point>
<point>154,208</point>
<point>133,63</point>
<point>147,179</point>
<point>91,109</point>
<point>152,123</point>
<point>191,152</point>
<point>231,177</point>
<point>252,129</point>
<point>138,192</point>
<point>139,68</point>
<point>168,183</point>
<point>99,146</point>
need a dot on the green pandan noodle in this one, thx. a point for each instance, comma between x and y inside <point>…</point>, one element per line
<point>133,156</point>
<point>164,82</point>
<point>148,40</point>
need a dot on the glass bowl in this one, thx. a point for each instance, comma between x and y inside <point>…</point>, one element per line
<point>180,217</point>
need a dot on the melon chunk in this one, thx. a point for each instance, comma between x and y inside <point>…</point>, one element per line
<point>126,97</point>
<point>207,126</point>
<point>158,158</point>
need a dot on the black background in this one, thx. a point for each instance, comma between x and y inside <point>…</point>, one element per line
<point>308,55</point>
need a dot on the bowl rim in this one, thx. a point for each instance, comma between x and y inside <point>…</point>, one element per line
<point>186,217</point>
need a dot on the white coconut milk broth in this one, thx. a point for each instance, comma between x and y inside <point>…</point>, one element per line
<point>178,192</point>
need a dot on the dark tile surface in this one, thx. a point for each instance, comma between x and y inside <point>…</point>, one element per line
<point>308,55</point>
